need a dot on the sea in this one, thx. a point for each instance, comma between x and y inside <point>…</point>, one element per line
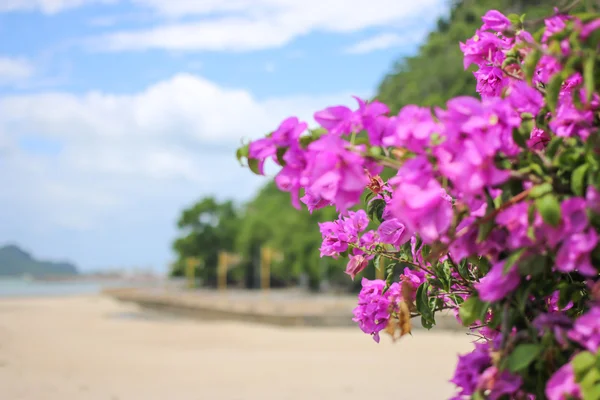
<point>19,287</point>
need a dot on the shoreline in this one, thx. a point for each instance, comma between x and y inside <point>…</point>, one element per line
<point>299,310</point>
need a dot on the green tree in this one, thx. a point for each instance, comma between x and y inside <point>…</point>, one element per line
<point>207,228</point>
<point>270,220</point>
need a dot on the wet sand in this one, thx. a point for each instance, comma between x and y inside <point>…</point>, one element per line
<point>95,348</point>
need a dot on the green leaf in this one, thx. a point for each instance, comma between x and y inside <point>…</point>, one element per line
<point>531,62</point>
<point>375,151</point>
<point>375,210</point>
<point>424,306</point>
<point>253,165</point>
<point>522,356</point>
<point>521,135</point>
<point>242,152</point>
<point>582,363</point>
<point>426,323</point>
<point>280,153</point>
<point>549,208</point>
<point>484,230</point>
<point>477,396</point>
<point>511,260</point>
<point>463,270</point>
<point>552,91</point>
<point>534,265</point>
<point>588,75</point>
<point>554,145</point>
<point>509,61</point>
<point>540,190</point>
<point>471,310</point>
<point>514,19</point>
<point>317,133</point>
<point>578,179</point>
<point>377,261</point>
<point>592,392</point>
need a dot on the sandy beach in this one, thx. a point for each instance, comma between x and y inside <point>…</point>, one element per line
<point>92,347</point>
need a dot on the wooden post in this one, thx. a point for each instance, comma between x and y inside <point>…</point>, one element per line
<point>190,271</point>
<point>265,268</point>
<point>222,271</point>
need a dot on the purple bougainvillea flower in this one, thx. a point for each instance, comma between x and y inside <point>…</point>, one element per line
<point>411,129</point>
<point>490,81</point>
<point>393,232</point>
<point>574,253</point>
<point>586,330</point>
<point>562,385</point>
<point>469,369</point>
<point>288,132</point>
<point>538,139</point>
<point>499,383</point>
<point>335,173</point>
<point>357,263</point>
<point>496,284</point>
<point>373,310</point>
<point>592,199</point>
<point>495,21</point>
<point>524,98</point>
<point>557,323</point>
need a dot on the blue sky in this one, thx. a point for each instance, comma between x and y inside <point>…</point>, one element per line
<point>115,114</point>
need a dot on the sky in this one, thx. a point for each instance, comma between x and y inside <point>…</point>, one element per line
<point>117,114</point>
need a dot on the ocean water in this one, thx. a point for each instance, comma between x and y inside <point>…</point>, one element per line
<point>33,288</point>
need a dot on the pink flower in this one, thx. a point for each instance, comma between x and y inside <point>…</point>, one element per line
<point>495,21</point>
<point>411,129</point>
<point>490,81</point>
<point>373,310</point>
<point>357,263</point>
<point>574,253</point>
<point>394,232</point>
<point>334,173</point>
<point>586,330</point>
<point>592,199</point>
<point>421,208</point>
<point>562,385</point>
<point>538,139</point>
<point>497,284</point>
<point>339,120</point>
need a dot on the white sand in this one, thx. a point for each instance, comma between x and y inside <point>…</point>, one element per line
<point>78,348</point>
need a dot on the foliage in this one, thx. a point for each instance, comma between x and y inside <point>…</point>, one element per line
<point>209,227</point>
<point>435,74</point>
<point>493,214</point>
<point>268,220</point>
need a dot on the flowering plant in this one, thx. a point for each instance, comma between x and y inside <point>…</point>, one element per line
<point>493,213</point>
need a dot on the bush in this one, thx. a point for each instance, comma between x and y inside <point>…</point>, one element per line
<point>493,213</point>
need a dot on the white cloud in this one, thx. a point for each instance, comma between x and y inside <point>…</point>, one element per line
<point>131,157</point>
<point>46,6</point>
<point>15,70</point>
<point>245,25</point>
<point>381,42</point>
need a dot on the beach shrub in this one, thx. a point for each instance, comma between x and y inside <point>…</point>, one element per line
<point>492,212</point>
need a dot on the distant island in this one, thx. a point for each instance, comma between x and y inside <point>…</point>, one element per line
<point>16,262</point>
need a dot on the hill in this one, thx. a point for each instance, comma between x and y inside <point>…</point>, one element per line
<point>16,262</point>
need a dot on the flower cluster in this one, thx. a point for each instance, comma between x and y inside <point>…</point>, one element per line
<point>493,211</point>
